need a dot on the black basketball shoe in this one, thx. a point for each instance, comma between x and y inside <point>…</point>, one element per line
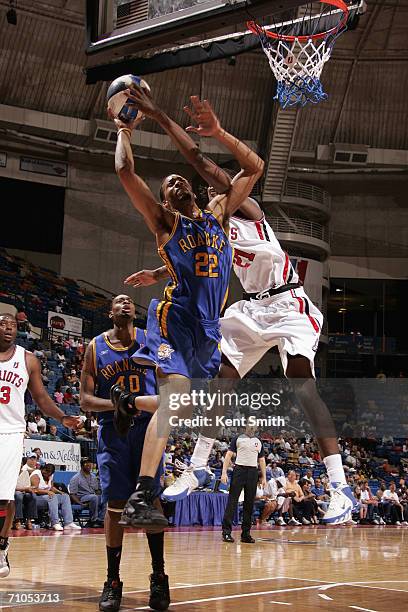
<point>111,596</point>
<point>159,592</point>
<point>139,510</point>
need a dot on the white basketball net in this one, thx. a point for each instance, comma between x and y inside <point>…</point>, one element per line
<point>297,67</point>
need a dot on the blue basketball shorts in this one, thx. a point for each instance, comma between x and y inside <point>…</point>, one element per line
<point>178,343</point>
<point>119,460</point>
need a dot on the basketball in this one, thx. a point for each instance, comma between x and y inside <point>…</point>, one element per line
<point>118,101</point>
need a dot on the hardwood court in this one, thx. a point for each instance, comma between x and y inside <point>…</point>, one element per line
<point>303,569</point>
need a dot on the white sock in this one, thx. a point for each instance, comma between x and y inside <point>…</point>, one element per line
<point>335,469</point>
<point>202,451</point>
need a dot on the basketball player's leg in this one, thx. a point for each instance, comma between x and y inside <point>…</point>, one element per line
<point>118,463</point>
<point>241,349</point>
<point>11,451</point>
<point>297,355</point>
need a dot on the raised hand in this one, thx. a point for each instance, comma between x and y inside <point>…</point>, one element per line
<point>121,124</point>
<point>144,278</point>
<point>203,115</point>
<point>142,99</point>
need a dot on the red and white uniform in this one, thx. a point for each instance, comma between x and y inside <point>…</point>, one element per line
<point>14,379</point>
<point>288,320</point>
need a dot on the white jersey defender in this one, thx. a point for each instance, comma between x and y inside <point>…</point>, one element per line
<point>259,261</point>
<point>14,378</point>
<point>267,318</point>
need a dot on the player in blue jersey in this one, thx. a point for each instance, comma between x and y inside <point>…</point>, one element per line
<point>108,361</point>
<point>183,328</point>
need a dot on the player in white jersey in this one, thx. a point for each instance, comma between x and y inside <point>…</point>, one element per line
<point>19,370</point>
<point>275,312</point>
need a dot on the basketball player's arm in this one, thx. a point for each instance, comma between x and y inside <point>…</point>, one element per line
<point>158,219</point>
<point>252,166</point>
<point>145,278</point>
<point>47,406</point>
<point>206,168</point>
<point>87,399</point>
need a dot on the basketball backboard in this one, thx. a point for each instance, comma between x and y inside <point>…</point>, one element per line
<point>118,28</point>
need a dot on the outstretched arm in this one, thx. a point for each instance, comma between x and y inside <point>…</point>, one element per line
<point>158,219</point>
<point>144,278</point>
<point>252,166</point>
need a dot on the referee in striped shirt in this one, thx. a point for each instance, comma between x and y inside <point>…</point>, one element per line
<point>249,450</point>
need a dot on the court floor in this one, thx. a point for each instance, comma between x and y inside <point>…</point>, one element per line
<point>300,569</point>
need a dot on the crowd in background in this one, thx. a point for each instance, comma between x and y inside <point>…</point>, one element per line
<point>297,491</point>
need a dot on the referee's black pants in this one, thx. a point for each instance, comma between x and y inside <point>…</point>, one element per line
<point>246,478</point>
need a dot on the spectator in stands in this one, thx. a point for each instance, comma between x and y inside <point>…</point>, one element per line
<point>362,509</point>
<point>52,436</point>
<point>69,397</point>
<point>168,455</point>
<point>321,495</point>
<point>309,476</point>
<point>308,506</point>
<point>216,462</point>
<point>40,460</point>
<point>44,375</point>
<point>94,426</point>
<point>39,353</point>
<point>276,471</point>
<point>81,347</point>
<point>59,397</point>
<point>51,499</point>
<point>270,493</point>
<point>41,422</point>
<point>85,490</point>
<point>73,378</point>
<point>24,499</point>
<point>392,507</point>
<point>304,459</point>
<point>273,456</point>
<point>31,463</point>
<point>293,493</point>
<point>32,427</point>
<point>23,325</point>
<point>369,501</point>
<point>60,358</point>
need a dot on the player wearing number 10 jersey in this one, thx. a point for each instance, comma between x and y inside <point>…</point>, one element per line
<point>108,362</point>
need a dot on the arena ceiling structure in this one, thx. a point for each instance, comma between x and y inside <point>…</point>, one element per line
<point>42,69</point>
<point>44,97</point>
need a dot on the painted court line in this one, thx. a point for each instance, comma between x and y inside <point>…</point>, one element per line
<point>281,603</point>
<point>364,609</point>
<point>237,596</point>
<point>326,597</point>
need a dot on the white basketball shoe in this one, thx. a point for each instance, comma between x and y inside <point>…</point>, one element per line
<point>191,479</point>
<point>4,564</point>
<point>342,504</point>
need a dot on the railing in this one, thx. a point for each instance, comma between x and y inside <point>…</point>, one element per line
<point>302,227</point>
<point>294,189</point>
